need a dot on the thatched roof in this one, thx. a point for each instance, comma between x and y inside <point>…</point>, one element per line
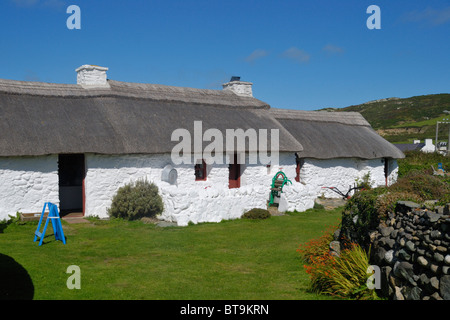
<point>326,135</point>
<point>127,118</point>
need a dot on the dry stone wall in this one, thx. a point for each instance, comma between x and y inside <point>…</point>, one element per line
<point>412,249</point>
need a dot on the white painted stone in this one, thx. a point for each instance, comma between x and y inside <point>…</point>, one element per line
<point>211,200</point>
<point>90,76</point>
<point>241,88</point>
<point>26,183</point>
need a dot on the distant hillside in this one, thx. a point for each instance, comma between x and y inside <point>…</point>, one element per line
<point>403,120</point>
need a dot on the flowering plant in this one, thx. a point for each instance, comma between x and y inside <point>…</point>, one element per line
<point>344,275</point>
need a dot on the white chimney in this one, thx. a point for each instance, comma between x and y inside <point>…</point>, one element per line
<point>241,88</point>
<point>90,76</point>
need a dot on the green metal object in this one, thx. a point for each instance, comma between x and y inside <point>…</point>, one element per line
<point>278,182</point>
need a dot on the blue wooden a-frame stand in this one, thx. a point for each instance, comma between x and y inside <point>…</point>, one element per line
<point>53,215</point>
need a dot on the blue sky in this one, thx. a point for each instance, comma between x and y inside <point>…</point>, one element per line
<point>299,54</point>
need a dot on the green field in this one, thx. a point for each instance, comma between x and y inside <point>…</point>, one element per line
<point>238,259</point>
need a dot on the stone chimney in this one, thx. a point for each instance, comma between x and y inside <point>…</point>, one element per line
<point>90,76</point>
<point>241,88</point>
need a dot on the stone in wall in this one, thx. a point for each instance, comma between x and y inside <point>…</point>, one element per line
<point>412,248</point>
<point>26,183</point>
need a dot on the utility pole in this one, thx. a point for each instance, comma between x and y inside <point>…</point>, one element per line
<point>448,143</point>
<point>436,141</point>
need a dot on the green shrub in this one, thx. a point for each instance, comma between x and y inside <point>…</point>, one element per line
<point>360,216</point>
<point>364,182</point>
<point>318,206</point>
<point>256,213</point>
<point>426,186</point>
<point>386,202</point>
<point>136,200</point>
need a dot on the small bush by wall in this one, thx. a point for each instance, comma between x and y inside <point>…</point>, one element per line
<point>359,216</point>
<point>136,200</point>
<point>256,213</point>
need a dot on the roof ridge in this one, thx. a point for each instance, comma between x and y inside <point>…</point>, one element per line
<point>150,91</point>
<point>345,117</point>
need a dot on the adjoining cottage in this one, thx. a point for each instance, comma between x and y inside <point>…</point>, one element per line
<point>339,149</point>
<point>75,145</point>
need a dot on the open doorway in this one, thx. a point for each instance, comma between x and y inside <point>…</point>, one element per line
<point>234,173</point>
<point>71,173</point>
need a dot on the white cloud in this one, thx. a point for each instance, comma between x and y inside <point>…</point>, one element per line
<point>297,55</point>
<point>332,49</point>
<point>25,3</point>
<point>55,3</point>
<point>46,3</point>
<point>429,15</point>
<point>257,54</point>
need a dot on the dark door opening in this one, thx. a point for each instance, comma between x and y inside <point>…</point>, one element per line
<point>386,170</point>
<point>234,174</point>
<point>71,173</point>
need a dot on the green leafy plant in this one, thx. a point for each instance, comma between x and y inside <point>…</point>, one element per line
<point>360,216</point>
<point>318,206</point>
<point>16,219</point>
<point>136,200</point>
<point>364,182</point>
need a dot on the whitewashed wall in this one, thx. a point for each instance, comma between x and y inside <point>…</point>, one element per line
<point>393,171</point>
<point>212,200</point>
<point>340,173</point>
<point>188,200</point>
<point>26,183</point>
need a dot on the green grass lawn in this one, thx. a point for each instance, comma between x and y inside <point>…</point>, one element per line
<point>238,259</point>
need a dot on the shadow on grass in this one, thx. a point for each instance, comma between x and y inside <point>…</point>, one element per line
<point>15,282</point>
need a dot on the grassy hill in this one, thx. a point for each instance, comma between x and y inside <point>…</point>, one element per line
<point>404,120</point>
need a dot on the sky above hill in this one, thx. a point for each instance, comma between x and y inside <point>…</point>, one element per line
<point>299,54</point>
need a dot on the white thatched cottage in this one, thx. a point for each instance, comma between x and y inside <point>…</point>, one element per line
<point>75,145</point>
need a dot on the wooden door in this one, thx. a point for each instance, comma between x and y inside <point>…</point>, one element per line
<point>234,177</point>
